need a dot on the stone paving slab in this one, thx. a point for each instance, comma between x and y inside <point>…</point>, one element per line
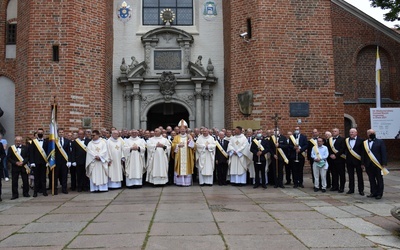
<point>182,206</point>
<point>331,238</point>
<point>79,217</point>
<point>241,242</point>
<point>310,224</point>
<point>18,210</point>
<point>75,210</point>
<point>53,227</point>
<point>363,227</point>
<point>385,223</point>
<point>333,212</point>
<point>251,228</point>
<point>183,216</point>
<point>241,216</point>
<point>123,217</point>
<point>11,219</point>
<point>293,206</point>
<point>38,239</point>
<point>356,211</point>
<point>378,208</point>
<point>6,231</point>
<point>111,241</point>
<point>388,241</point>
<point>116,227</point>
<point>129,208</point>
<point>184,229</point>
<point>213,242</point>
<point>298,215</point>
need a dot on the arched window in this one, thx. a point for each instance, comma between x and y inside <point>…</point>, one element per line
<point>183,10</point>
<point>11,29</point>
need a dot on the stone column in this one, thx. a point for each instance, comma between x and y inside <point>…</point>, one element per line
<point>207,114</point>
<point>198,96</point>
<point>128,101</point>
<point>136,109</point>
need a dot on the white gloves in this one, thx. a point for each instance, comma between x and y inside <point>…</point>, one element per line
<point>68,164</point>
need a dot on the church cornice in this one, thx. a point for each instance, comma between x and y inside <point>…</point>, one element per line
<point>369,20</point>
<point>152,36</point>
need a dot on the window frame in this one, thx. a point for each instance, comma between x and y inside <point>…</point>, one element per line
<point>175,8</point>
<point>11,38</point>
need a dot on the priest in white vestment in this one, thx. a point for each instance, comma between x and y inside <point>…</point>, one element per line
<point>115,145</point>
<point>134,150</point>
<point>239,157</point>
<point>158,149</point>
<point>205,157</point>
<point>183,154</point>
<point>97,163</point>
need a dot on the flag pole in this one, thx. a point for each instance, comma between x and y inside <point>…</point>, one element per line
<point>378,79</point>
<point>53,119</point>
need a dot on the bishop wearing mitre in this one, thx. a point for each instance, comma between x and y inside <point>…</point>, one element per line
<point>183,155</point>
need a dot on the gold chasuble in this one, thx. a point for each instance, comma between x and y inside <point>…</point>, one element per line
<point>184,156</point>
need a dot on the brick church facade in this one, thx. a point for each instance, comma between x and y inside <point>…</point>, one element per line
<point>318,53</point>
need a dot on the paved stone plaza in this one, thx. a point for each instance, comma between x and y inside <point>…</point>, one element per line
<point>197,217</point>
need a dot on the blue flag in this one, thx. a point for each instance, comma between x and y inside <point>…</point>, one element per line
<point>52,138</point>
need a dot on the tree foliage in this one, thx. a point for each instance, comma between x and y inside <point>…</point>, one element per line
<point>392,5</point>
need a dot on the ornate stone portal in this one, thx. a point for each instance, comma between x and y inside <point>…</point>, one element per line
<point>167,76</point>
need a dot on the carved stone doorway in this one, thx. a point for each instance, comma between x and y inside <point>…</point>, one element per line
<point>166,114</point>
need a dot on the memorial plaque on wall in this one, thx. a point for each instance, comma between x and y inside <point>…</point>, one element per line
<point>299,109</point>
<point>167,60</point>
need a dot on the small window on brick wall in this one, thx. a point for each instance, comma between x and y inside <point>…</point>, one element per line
<point>11,33</point>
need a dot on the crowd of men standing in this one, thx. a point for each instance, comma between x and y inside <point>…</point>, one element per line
<point>101,160</point>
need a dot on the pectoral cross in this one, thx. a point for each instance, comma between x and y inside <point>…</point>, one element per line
<point>116,147</point>
<point>97,149</point>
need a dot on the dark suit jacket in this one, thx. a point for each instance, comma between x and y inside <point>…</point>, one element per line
<point>12,158</point>
<point>358,148</point>
<point>339,144</point>
<point>60,160</point>
<point>254,149</point>
<point>2,156</point>
<point>303,143</point>
<point>379,150</point>
<point>34,154</point>
<point>79,154</point>
<point>282,144</point>
<point>218,155</point>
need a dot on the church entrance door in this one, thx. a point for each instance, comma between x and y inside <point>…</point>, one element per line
<point>166,114</point>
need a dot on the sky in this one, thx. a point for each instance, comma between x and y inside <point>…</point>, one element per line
<point>377,13</point>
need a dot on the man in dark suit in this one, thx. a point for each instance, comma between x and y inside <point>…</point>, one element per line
<point>373,157</point>
<point>38,160</point>
<point>336,147</point>
<point>259,147</point>
<point>353,152</point>
<point>63,162</point>
<point>18,156</point>
<point>298,144</point>
<point>79,160</point>
<point>278,150</point>
<point>221,159</point>
<point>2,156</point>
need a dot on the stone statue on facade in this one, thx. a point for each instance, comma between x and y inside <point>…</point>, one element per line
<point>198,61</point>
<point>134,63</point>
<point>167,83</point>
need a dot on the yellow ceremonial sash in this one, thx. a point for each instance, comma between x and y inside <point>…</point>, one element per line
<point>352,152</point>
<point>260,147</point>
<point>285,159</point>
<point>334,149</point>
<point>373,158</point>
<point>41,151</point>
<point>62,151</point>
<point>19,157</point>
<point>221,149</point>
<point>295,144</point>
<point>81,144</point>
<point>317,151</point>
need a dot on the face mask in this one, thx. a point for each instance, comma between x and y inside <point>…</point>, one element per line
<point>372,136</point>
<point>259,135</point>
<point>297,132</point>
<point>40,135</point>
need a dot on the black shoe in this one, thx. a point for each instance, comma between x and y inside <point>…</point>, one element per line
<point>27,195</point>
<point>45,194</point>
<point>316,189</point>
<point>55,191</point>
<point>65,192</point>
<point>295,186</point>
<point>361,193</point>
<point>350,192</point>
<point>288,183</point>
<point>14,197</point>
<point>79,190</point>
<point>275,186</point>
<point>341,191</point>
<point>49,188</point>
<point>73,189</point>
<point>34,194</point>
<point>378,197</point>
<point>334,189</point>
<point>256,186</point>
<point>281,186</point>
<point>323,190</point>
<point>1,199</point>
<point>301,185</point>
<point>371,196</point>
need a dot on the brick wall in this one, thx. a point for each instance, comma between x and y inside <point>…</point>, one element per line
<point>81,80</point>
<point>355,44</point>
<point>7,66</point>
<point>289,59</point>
